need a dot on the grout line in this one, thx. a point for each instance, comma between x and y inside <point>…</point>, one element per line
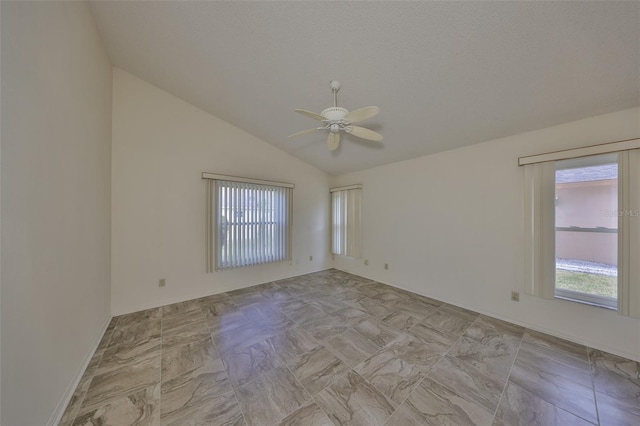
<point>504,389</point>
<point>593,385</point>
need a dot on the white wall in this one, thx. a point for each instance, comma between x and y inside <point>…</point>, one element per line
<point>161,146</point>
<point>451,226</point>
<point>56,131</point>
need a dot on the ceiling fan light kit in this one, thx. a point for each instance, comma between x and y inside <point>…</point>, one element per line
<point>336,119</point>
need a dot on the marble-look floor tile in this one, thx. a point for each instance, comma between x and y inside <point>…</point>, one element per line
<point>519,407</point>
<point>559,349</point>
<point>423,299</point>
<point>138,408</point>
<point>370,290</point>
<point>265,315</point>
<point>317,369</point>
<point>616,376</point>
<point>572,397</point>
<point>388,296</point>
<point>448,323</point>
<point>370,307</point>
<point>500,326</point>
<point>129,353</point>
<point>377,331</point>
<point>122,381</point>
<point>292,306</point>
<point>180,308</point>
<point>306,315</point>
<point>307,415</point>
<point>349,316</point>
<point>202,408</point>
<point>433,404</point>
<point>311,295</point>
<point>532,358</point>
<point>271,397</point>
<point>400,321</point>
<point>217,307</point>
<point>248,299</point>
<point>185,366</point>
<point>398,368</point>
<point>135,333</point>
<point>617,412</point>
<point>181,319</point>
<point>349,296</point>
<point>490,351</point>
<point>469,383</point>
<point>250,362</point>
<point>351,347</point>
<point>106,338</point>
<point>292,343</point>
<point>414,307</point>
<point>326,327</point>
<point>433,336</point>
<point>464,313</point>
<point>185,334</point>
<point>81,390</point>
<point>213,299</point>
<point>226,321</point>
<point>350,400</point>
<point>239,338</point>
<point>328,304</point>
<point>149,315</point>
<point>403,417</point>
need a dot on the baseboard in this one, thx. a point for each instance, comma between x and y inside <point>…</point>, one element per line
<point>57,414</point>
<point>581,341</point>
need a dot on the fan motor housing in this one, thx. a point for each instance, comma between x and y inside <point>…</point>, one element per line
<point>334,113</point>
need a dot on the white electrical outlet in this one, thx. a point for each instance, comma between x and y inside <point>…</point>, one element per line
<point>310,258</point>
<point>386,266</point>
<point>366,261</point>
<point>515,296</point>
<point>162,282</point>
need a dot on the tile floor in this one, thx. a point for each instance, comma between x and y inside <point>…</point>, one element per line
<point>333,348</point>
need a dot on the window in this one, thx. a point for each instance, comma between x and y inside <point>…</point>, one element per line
<point>586,230</point>
<point>248,223</point>
<point>582,216</point>
<point>345,220</point>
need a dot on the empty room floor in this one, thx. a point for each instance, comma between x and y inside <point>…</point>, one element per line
<point>334,348</point>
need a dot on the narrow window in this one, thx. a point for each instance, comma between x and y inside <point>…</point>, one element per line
<point>345,221</point>
<point>586,230</point>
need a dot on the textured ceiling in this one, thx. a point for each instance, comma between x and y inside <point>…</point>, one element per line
<point>445,74</point>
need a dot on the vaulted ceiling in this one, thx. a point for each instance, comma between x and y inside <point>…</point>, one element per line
<point>445,74</point>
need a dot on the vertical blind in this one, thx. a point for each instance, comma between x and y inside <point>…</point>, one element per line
<point>345,221</point>
<point>248,224</point>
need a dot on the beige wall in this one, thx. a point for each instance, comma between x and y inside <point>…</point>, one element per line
<point>161,146</point>
<point>451,226</point>
<point>55,218</point>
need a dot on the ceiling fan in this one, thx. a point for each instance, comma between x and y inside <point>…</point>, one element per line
<point>336,119</point>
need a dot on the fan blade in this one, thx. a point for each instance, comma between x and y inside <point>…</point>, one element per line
<point>304,132</point>
<point>363,133</point>
<point>361,114</point>
<point>333,141</point>
<point>310,114</point>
